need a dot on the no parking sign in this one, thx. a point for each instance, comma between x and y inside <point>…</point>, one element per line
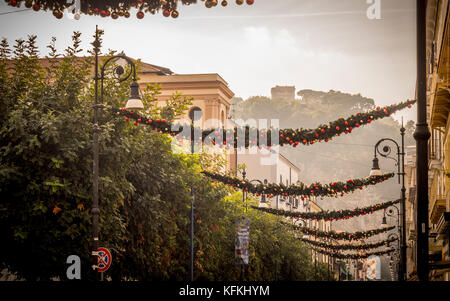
<point>104,259</point>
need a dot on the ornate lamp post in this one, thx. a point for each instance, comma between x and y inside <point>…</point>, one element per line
<point>397,259</point>
<point>400,163</point>
<point>134,103</point>
<point>194,114</point>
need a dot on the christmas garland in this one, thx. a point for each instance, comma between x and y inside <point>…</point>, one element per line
<point>114,8</point>
<point>349,246</point>
<point>353,256</point>
<point>246,136</point>
<point>316,189</point>
<point>341,235</point>
<point>329,215</point>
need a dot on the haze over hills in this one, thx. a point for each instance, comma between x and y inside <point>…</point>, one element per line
<point>344,157</point>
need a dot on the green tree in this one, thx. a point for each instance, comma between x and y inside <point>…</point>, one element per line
<point>46,176</point>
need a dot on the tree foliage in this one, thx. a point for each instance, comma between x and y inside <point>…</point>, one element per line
<point>46,175</point>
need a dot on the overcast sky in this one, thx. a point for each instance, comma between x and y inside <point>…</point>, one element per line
<point>312,44</point>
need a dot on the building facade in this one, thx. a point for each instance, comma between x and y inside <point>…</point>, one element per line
<point>438,101</point>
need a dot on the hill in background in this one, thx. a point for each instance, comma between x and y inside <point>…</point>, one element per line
<point>345,157</point>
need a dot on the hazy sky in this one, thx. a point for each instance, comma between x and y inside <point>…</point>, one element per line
<point>312,44</point>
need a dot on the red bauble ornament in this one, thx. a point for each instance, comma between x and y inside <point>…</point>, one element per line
<point>357,125</point>
<point>166,13</point>
<point>250,2</point>
<point>337,128</point>
<point>13,2</point>
<point>378,108</point>
<point>36,7</point>
<point>323,131</point>
<point>103,13</point>
<point>140,15</point>
<point>409,106</point>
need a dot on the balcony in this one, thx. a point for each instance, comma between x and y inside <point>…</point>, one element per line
<point>412,195</point>
<point>443,224</point>
<point>440,108</point>
<point>437,208</point>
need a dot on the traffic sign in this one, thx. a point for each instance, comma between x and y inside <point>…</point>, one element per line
<point>104,259</point>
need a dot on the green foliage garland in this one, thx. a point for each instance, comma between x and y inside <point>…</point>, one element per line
<point>329,215</point>
<point>335,247</point>
<point>350,236</point>
<point>315,189</point>
<point>115,9</point>
<point>247,137</point>
<point>353,256</point>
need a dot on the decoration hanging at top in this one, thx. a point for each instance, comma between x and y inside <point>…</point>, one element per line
<point>114,8</point>
<point>346,247</point>
<point>246,136</point>
<point>353,256</point>
<point>329,215</point>
<point>339,235</point>
<point>316,189</point>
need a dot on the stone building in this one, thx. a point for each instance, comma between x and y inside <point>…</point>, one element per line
<point>283,93</point>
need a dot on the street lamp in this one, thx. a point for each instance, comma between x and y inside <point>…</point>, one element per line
<point>134,103</point>
<point>400,163</point>
<point>397,261</point>
<point>194,114</point>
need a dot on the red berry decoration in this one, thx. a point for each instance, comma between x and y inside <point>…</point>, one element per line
<point>103,13</point>
<point>36,7</point>
<point>140,15</point>
<point>250,2</point>
<point>409,106</point>
<point>323,131</point>
<point>378,108</point>
<point>13,2</point>
<point>337,128</point>
<point>166,13</point>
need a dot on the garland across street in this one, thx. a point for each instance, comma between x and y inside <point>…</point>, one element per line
<point>329,215</point>
<point>246,136</point>
<point>350,236</point>
<point>335,247</point>
<point>316,189</point>
<point>353,256</point>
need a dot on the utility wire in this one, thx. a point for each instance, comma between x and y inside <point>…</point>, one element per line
<point>12,12</point>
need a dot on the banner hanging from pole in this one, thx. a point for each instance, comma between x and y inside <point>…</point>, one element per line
<point>242,241</point>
